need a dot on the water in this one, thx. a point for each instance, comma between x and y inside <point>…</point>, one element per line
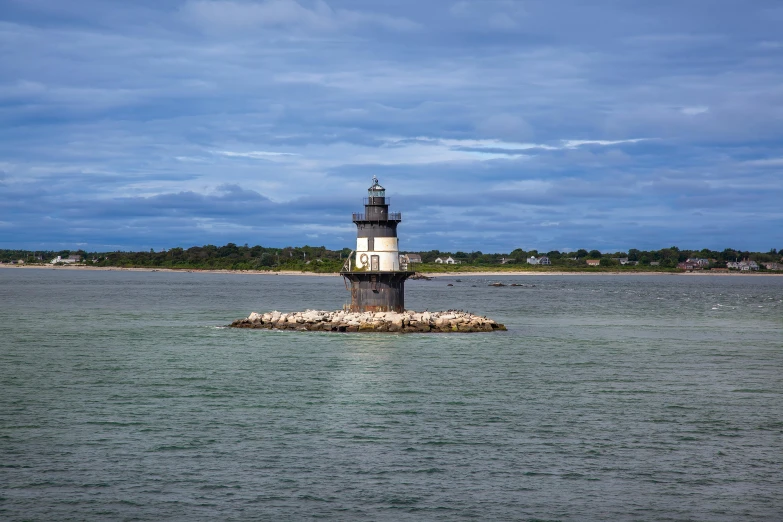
<point>615,398</point>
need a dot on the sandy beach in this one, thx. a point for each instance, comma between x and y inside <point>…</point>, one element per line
<point>428,274</point>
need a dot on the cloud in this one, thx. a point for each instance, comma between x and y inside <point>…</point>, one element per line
<point>263,122</point>
<point>767,162</point>
<point>226,16</point>
<point>570,144</point>
<point>255,154</point>
<point>693,111</point>
<point>505,126</point>
<point>771,45</point>
<point>233,15</point>
<point>502,21</point>
<point>493,148</point>
<point>498,15</point>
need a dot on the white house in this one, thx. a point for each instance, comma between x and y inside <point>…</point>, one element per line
<point>748,265</point>
<point>69,259</point>
<point>743,266</point>
<point>543,260</point>
<point>448,261</point>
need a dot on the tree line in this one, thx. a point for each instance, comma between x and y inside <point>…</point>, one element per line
<point>665,257</point>
<point>226,257</point>
<point>322,259</point>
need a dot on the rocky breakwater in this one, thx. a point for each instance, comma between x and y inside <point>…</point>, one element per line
<point>340,321</point>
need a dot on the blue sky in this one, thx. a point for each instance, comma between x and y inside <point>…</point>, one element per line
<point>493,124</point>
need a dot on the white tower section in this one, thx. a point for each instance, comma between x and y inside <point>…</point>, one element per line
<point>378,254</point>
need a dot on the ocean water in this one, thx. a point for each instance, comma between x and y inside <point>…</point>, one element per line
<point>609,398</point>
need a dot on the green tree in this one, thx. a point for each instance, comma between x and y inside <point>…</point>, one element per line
<point>518,254</point>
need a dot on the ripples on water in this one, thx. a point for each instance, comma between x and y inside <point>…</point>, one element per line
<point>649,398</point>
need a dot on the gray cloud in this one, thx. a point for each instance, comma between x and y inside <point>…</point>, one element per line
<point>227,16</point>
<point>492,123</point>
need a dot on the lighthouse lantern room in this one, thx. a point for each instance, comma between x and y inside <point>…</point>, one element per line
<point>377,280</point>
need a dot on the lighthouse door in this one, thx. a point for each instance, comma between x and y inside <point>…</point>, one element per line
<point>375,262</point>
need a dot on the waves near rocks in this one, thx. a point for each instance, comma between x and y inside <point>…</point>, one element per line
<point>341,321</point>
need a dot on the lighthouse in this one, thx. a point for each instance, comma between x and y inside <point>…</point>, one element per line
<point>376,277</point>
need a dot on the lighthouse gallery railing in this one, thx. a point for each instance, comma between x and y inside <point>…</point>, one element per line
<point>393,216</point>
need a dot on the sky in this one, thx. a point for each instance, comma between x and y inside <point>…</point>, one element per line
<point>493,124</point>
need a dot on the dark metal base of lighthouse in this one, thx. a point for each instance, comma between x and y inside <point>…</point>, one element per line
<point>377,291</point>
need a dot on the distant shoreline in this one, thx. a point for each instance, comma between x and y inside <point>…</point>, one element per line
<point>174,270</point>
<point>428,274</point>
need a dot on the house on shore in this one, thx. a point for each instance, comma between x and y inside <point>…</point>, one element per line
<point>543,260</point>
<point>746,265</point>
<point>407,259</point>
<point>593,262</point>
<point>67,260</point>
<point>448,261</point>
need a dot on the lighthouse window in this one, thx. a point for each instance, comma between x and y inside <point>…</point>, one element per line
<point>376,191</point>
<point>375,261</point>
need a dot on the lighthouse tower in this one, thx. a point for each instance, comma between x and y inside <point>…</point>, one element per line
<point>377,280</point>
